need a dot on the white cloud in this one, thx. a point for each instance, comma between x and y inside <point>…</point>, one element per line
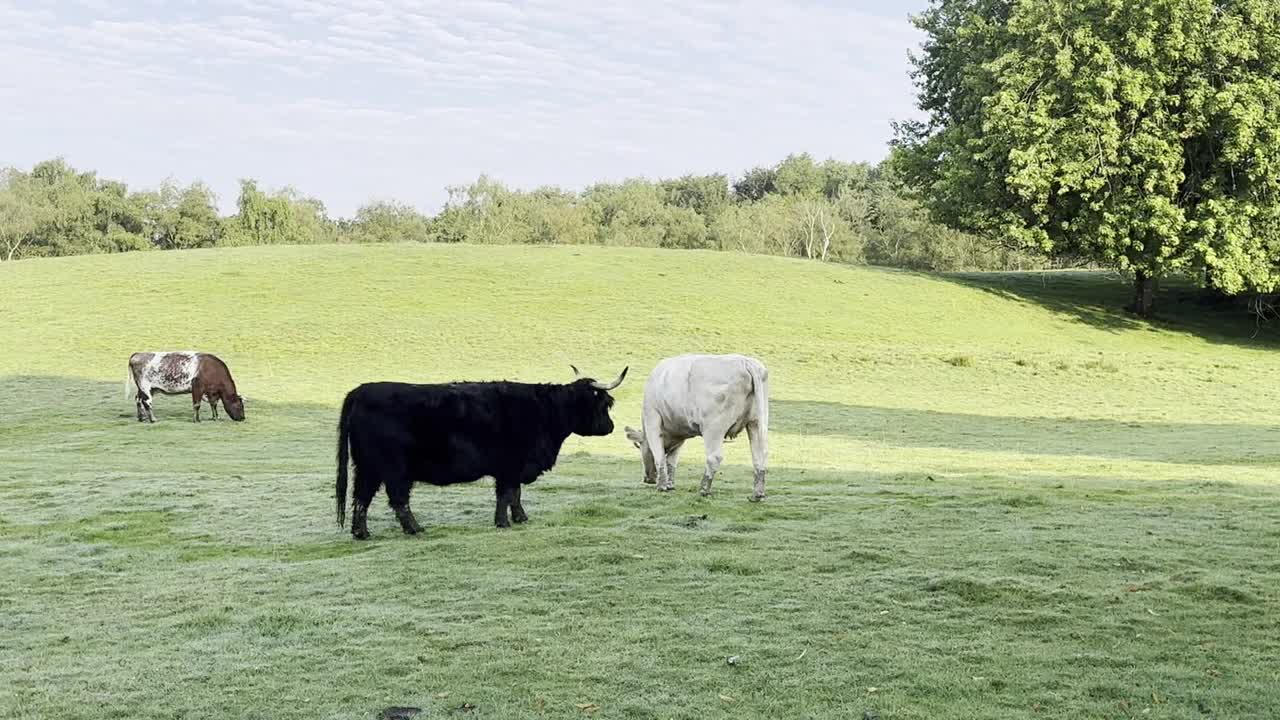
<point>561,92</point>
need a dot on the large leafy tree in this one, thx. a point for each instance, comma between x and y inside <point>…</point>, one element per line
<point>1143,134</point>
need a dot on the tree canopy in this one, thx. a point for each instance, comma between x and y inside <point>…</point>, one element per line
<point>1141,134</point>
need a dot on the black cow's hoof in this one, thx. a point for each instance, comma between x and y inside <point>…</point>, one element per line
<point>519,518</point>
<point>360,535</point>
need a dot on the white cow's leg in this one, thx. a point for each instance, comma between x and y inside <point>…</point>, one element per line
<point>673,457</point>
<point>658,451</point>
<point>759,436</point>
<point>713,440</point>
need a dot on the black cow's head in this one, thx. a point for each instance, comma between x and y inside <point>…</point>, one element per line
<point>235,407</point>
<point>591,404</point>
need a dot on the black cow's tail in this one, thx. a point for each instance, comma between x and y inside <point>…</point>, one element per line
<point>344,432</point>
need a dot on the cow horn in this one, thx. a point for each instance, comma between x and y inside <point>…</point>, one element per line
<point>614,384</point>
<point>576,374</point>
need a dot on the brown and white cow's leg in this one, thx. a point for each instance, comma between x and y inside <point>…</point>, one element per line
<point>518,514</point>
<point>144,399</point>
<point>759,436</point>
<point>197,395</point>
<point>713,440</point>
<point>213,406</point>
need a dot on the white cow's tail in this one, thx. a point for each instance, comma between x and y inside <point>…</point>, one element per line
<point>760,393</point>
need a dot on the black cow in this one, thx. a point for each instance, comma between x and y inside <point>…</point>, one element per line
<point>398,433</point>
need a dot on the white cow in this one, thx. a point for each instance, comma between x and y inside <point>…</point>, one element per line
<point>714,396</point>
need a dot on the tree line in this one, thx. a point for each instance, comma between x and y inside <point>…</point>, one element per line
<point>824,211</point>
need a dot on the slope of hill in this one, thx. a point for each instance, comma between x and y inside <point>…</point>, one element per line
<point>989,494</point>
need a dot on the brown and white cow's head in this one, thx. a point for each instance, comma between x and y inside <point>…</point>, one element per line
<point>234,405</point>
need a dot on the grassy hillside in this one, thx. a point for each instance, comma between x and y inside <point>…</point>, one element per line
<point>990,495</point>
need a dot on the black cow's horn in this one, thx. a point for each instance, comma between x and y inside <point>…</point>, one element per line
<point>612,385</point>
<point>576,374</point>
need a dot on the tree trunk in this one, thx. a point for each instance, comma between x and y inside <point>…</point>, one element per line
<point>1144,294</point>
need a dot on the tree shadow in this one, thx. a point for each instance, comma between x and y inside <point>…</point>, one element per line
<point>1181,443</point>
<point>1098,298</point>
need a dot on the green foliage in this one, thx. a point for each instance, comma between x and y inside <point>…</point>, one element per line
<point>635,212</point>
<point>487,211</point>
<point>706,195</point>
<point>385,221</point>
<point>1143,134</point>
<point>755,184</point>
<point>798,175</point>
<point>829,210</point>
<point>179,218</point>
<point>284,217</point>
<point>20,213</point>
<point>56,210</point>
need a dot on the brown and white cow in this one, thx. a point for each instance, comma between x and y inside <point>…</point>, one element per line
<point>175,372</point>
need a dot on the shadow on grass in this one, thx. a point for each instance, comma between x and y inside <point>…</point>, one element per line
<point>1187,443</point>
<point>95,420</point>
<point>1098,298</point>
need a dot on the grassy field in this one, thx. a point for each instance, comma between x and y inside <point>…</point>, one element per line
<point>991,496</point>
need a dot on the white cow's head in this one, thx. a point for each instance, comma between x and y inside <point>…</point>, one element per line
<point>650,468</point>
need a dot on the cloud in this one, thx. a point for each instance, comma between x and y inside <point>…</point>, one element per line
<point>546,91</point>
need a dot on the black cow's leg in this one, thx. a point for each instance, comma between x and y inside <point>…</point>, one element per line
<point>399,497</point>
<point>504,495</point>
<point>518,514</point>
<point>366,486</point>
<point>359,521</point>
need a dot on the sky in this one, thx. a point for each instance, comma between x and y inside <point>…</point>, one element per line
<point>361,100</point>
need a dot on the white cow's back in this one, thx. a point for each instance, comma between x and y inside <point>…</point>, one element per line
<point>687,393</point>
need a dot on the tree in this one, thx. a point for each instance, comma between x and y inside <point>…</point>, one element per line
<point>284,217</point>
<point>799,175</point>
<point>20,215</point>
<point>1142,134</point>
<point>706,195</point>
<point>386,221</point>
<point>755,184</point>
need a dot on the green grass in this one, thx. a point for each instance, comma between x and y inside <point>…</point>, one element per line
<point>990,496</point>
